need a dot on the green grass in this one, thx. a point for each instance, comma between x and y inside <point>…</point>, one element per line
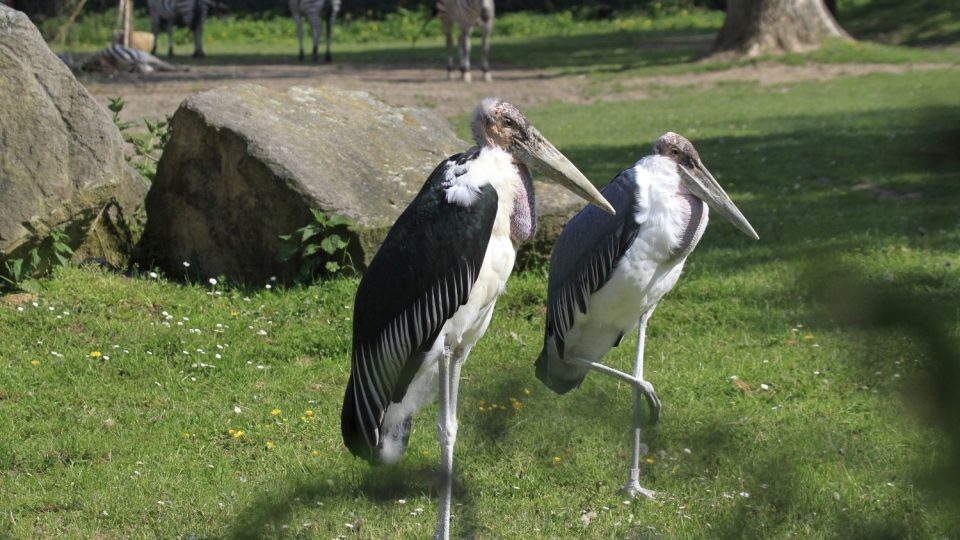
<point>860,169</point>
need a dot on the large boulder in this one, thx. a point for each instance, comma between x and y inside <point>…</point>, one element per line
<point>247,164</point>
<point>61,157</point>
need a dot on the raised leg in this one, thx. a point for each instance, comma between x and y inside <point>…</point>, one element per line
<point>633,487</point>
<point>465,53</point>
<point>447,426</point>
<point>644,387</point>
<point>298,20</point>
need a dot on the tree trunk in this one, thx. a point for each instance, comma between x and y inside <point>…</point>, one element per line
<point>753,27</point>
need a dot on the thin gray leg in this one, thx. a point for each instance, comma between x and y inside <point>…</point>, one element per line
<point>447,426</point>
<point>633,487</point>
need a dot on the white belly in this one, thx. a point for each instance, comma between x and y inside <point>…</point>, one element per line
<point>643,276</point>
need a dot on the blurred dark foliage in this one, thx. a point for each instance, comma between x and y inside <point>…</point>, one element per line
<point>375,8</point>
<point>933,395</point>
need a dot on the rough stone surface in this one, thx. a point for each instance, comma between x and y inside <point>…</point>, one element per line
<point>246,164</point>
<point>61,157</point>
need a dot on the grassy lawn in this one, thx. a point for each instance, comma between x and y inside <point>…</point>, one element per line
<point>138,407</point>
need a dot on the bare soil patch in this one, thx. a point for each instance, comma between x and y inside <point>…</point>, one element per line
<point>158,94</point>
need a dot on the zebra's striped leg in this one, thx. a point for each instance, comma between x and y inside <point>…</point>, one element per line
<point>198,41</point>
<point>333,15</point>
<point>465,53</point>
<point>298,21</point>
<point>315,33</point>
<point>487,29</point>
<point>448,31</point>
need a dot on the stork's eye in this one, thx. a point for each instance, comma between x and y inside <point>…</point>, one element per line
<point>674,151</point>
<point>509,122</point>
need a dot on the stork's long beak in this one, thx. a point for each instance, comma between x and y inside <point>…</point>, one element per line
<point>702,184</point>
<point>539,154</point>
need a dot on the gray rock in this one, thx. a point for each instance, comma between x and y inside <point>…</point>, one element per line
<point>61,157</point>
<point>246,165</point>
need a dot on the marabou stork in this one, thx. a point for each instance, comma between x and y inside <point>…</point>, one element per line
<point>428,295</point>
<point>607,272</point>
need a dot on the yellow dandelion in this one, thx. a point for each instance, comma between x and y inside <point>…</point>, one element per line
<point>238,434</point>
<point>231,431</point>
<point>315,453</point>
<point>234,313</point>
<point>526,391</point>
<point>808,337</point>
<point>308,414</point>
<point>34,362</point>
<point>270,445</point>
<point>276,412</point>
<point>516,405</point>
<point>556,459</point>
<point>95,354</point>
<point>186,435</point>
<point>649,460</point>
<point>483,409</point>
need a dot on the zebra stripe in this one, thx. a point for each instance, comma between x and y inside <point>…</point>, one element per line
<point>117,58</point>
<point>165,14</point>
<point>313,10</point>
<point>466,14</point>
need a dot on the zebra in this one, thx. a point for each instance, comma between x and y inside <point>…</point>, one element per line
<point>165,14</point>
<point>313,10</point>
<point>117,58</point>
<point>467,14</point>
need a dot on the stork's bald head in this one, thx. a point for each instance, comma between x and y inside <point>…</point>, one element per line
<point>676,147</point>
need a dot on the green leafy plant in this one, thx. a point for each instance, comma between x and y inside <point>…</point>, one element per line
<point>145,147</point>
<point>320,246</point>
<point>19,274</point>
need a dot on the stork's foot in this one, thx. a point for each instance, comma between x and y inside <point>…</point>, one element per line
<point>327,58</point>
<point>199,54</point>
<point>449,74</point>
<point>300,56</point>
<point>633,487</point>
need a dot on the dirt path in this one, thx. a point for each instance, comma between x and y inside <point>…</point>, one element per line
<point>156,95</point>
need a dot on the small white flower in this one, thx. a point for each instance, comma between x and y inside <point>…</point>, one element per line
<point>236,409</point>
<point>764,387</point>
<point>19,308</point>
<point>744,494</point>
<point>217,356</point>
<point>261,332</point>
<point>213,281</point>
<point>269,286</point>
<point>186,264</point>
<point>153,275</point>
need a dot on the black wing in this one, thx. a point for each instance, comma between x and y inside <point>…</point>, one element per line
<point>584,256</point>
<point>421,275</point>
